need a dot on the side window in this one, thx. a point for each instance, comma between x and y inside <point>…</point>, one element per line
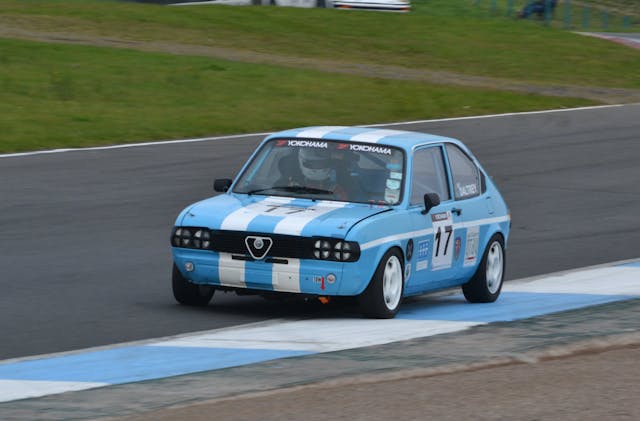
<point>465,174</point>
<point>428,175</point>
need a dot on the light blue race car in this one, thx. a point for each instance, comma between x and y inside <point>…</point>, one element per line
<point>346,211</point>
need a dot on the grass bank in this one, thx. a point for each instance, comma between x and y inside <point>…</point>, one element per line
<point>71,96</point>
<point>451,35</point>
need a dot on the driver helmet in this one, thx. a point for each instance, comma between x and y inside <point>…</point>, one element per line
<point>315,164</point>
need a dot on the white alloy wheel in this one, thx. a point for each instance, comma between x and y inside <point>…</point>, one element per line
<point>383,296</point>
<point>495,267</point>
<point>486,283</point>
<point>392,282</point>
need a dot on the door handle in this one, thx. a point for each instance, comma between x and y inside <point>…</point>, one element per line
<point>457,211</point>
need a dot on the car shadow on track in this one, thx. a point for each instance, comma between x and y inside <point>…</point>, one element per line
<point>294,307</point>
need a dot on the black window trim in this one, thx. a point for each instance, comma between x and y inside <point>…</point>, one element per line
<point>447,171</point>
<point>481,175</point>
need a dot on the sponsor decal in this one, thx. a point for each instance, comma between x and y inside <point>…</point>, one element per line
<point>319,280</point>
<point>471,246</point>
<point>443,239</point>
<point>308,144</point>
<point>409,250</point>
<point>391,195</point>
<point>282,210</point>
<point>443,216</point>
<point>422,259</point>
<point>395,175</point>
<point>369,148</point>
<point>393,184</point>
<point>466,190</point>
<point>457,246</point>
<point>395,164</point>
<point>281,142</point>
<point>407,272</point>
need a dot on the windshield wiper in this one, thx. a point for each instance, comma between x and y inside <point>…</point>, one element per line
<point>293,189</point>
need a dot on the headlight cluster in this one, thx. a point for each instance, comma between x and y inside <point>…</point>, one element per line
<point>191,237</point>
<point>339,250</point>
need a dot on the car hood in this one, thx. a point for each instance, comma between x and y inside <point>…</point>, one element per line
<point>277,215</point>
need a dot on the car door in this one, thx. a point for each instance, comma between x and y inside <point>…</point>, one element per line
<point>432,263</point>
<point>471,207</point>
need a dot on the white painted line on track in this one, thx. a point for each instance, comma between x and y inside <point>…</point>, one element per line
<point>479,117</point>
<point>227,137</point>
<point>242,345</point>
<point>11,390</point>
<point>325,335</point>
<point>131,145</point>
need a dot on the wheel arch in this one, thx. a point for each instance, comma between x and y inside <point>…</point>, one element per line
<point>381,251</point>
<point>383,295</point>
<point>494,229</point>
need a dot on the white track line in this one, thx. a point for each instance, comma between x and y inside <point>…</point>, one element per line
<point>216,138</point>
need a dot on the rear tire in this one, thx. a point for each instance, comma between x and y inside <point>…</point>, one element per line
<point>381,299</point>
<point>190,294</point>
<point>486,284</point>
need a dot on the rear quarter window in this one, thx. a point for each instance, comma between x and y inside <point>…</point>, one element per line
<point>465,174</point>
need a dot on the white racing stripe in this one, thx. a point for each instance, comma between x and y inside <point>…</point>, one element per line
<point>318,132</point>
<point>240,219</point>
<point>397,237</point>
<point>429,231</point>
<point>286,278</point>
<point>294,223</point>
<point>231,271</point>
<point>375,136</point>
<point>486,221</point>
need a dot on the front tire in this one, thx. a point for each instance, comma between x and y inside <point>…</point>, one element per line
<point>381,299</point>
<point>486,284</point>
<point>187,293</point>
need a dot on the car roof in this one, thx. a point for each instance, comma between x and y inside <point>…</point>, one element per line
<point>399,138</point>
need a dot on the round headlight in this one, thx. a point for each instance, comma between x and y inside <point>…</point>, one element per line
<point>196,238</point>
<point>346,251</point>
<point>337,250</point>
<point>186,237</point>
<point>206,239</point>
<point>175,239</point>
<point>316,249</point>
<point>342,251</point>
<point>325,250</point>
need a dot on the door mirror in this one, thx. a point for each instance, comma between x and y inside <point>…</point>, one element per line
<point>222,184</point>
<point>430,200</point>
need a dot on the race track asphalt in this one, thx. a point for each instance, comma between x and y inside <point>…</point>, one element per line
<point>85,259</point>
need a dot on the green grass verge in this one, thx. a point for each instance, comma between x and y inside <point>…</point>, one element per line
<point>452,35</point>
<point>73,96</point>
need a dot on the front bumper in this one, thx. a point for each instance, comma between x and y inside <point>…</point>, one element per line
<point>306,276</point>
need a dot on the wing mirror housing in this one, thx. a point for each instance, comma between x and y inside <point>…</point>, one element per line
<point>430,200</point>
<point>222,184</point>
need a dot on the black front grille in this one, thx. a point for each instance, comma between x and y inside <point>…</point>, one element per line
<point>291,246</point>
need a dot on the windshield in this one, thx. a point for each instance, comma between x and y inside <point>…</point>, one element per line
<point>325,170</point>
